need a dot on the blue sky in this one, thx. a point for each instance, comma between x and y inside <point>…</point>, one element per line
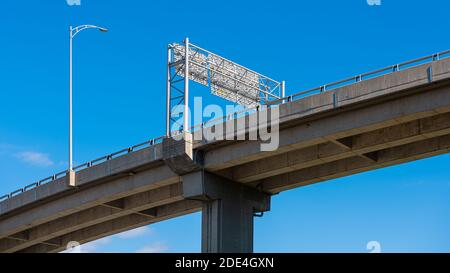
<point>119,100</point>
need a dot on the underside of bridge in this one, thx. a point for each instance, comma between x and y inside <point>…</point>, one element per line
<point>321,138</point>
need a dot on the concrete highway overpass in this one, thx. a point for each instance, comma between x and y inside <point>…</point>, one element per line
<point>374,123</point>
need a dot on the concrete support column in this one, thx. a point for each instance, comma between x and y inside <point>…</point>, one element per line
<point>227,213</point>
<point>227,226</point>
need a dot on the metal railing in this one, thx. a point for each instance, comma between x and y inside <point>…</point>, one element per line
<point>84,166</point>
<point>247,111</point>
<point>368,75</point>
<point>331,86</point>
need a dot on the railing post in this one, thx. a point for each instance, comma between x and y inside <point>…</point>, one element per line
<point>168,90</point>
<point>186,86</point>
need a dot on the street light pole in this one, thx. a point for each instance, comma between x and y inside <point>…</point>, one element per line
<point>73,32</point>
<point>70,103</point>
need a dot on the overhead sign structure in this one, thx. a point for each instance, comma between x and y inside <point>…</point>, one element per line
<point>225,79</point>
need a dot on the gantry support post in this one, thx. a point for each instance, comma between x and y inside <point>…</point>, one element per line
<point>227,213</point>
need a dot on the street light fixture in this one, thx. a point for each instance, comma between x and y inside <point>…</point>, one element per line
<point>74,31</point>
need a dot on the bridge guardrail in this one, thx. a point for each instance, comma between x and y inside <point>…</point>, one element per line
<point>299,95</point>
<point>83,166</point>
<point>341,83</point>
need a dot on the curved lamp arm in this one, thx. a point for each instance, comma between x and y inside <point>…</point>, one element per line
<point>74,31</point>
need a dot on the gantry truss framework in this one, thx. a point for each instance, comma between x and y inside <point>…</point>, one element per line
<point>225,79</point>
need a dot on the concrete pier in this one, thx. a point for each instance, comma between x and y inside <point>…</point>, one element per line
<point>228,209</point>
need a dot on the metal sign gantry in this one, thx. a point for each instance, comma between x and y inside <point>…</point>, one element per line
<point>225,79</point>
